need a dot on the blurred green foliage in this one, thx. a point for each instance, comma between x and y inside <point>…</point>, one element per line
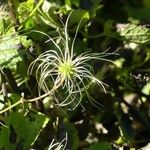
<point>123,118</point>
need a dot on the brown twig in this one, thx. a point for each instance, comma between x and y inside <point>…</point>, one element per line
<point>22,99</point>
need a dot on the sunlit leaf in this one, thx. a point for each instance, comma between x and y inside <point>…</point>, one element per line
<point>12,49</point>
<point>134,33</point>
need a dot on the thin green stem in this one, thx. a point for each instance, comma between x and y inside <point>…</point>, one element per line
<point>35,9</point>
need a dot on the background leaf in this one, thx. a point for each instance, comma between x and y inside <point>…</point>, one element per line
<point>134,33</point>
<point>22,131</point>
<point>100,146</point>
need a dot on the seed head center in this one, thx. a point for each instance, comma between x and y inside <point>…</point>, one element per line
<point>67,69</point>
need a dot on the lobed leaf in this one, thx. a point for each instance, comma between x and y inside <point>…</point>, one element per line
<point>134,33</point>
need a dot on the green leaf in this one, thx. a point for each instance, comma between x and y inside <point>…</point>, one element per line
<point>9,58</point>
<point>95,7</point>
<point>12,48</point>
<point>141,13</point>
<point>77,15</point>
<point>134,33</point>
<point>24,9</point>
<point>4,138</point>
<point>73,134</point>
<point>100,146</point>
<point>68,2</point>
<point>46,13</point>
<point>146,89</point>
<point>108,26</point>
<point>20,131</point>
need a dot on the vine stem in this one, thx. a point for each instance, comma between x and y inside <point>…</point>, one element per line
<point>22,100</point>
<point>10,107</point>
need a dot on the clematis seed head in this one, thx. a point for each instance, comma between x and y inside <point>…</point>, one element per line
<point>67,71</point>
